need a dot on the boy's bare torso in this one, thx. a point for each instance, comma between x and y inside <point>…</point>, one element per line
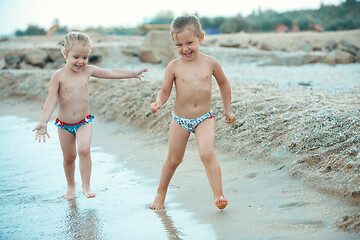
<point>73,95</point>
<point>193,83</point>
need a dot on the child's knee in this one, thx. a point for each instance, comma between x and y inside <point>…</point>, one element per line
<point>83,151</point>
<point>207,155</point>
<point>69,158</point>
<point>173,162</point>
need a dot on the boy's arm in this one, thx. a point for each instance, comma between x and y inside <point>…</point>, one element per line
<point>48,108</point>
<point>225,91</point>
<point>165,91</point>
<point>116,73</point>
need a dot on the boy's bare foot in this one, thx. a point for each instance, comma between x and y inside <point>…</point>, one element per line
<point>70,193</point>
<point>221,202</point>
<point>87,192</point>
<point>158,202</point>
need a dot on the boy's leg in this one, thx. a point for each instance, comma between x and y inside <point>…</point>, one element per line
<point>83,137</point>
<point>205,138</point>
<point>178,138</point>
<point>68,147</point>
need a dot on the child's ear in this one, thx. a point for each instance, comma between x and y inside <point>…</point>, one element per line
<point>64,52</point>
<point>201,38</point>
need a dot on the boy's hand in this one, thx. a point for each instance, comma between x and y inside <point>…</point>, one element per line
<point>154,107</point>
<point>41,130</point>
<point>139,74</point>
<point>230,118</point>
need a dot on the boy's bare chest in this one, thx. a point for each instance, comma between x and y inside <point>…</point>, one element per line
<point>194,78</point>
<point>192,72</point>
<point>76,85</point>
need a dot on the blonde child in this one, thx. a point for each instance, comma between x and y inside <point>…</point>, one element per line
<point>69,88</point>
<point>191,74</point>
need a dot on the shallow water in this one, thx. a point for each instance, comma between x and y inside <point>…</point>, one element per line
<point>33,183</point>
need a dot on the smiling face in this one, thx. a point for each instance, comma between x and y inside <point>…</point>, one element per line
<point>77,57</point>
<point>187,44</point>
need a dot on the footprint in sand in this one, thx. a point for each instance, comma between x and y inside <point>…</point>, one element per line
<point>252,175</point>
<point>294,204</point>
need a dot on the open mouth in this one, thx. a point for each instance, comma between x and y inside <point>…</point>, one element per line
<point>188,54</point>
<point>78,66</point>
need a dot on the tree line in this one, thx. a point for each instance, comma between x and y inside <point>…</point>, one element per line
<point>345,16</point>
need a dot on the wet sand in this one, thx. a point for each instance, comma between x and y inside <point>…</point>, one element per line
<point>265,203</point>
<point>33,185</point>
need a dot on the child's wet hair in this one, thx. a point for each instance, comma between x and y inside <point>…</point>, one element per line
<point>73,38</point>
<point>190,22</point>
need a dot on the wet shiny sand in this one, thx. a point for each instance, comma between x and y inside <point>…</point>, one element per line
<point>33,184</point>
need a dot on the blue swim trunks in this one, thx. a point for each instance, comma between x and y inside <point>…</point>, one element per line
<point>190,124</point>
<point>73,127</point>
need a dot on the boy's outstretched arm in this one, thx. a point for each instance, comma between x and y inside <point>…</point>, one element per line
<point>225,91</point>
<point>165,91</point>
<point>48,108</point>
<point>116,73</point>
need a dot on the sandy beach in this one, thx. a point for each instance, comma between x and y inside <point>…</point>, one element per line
<point>290,164</point>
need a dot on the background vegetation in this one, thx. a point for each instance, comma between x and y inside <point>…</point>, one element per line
<point>345,16</point>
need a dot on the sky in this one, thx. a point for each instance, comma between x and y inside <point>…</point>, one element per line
<point>80,14</point>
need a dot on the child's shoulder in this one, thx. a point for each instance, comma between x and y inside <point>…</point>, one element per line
<point>174,63</point>
<point>58,72</point>
<point>209,58</point>
<point>90,67</point>
<point>57,76</point>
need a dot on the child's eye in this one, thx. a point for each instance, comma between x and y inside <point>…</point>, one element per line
<point>178,45</point>
<point>76,57</point>
<point>190,42</point>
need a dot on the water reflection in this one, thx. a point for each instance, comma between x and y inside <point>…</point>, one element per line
<point>31,208</point>
<point>82,224</point>
<point>173,233</point>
